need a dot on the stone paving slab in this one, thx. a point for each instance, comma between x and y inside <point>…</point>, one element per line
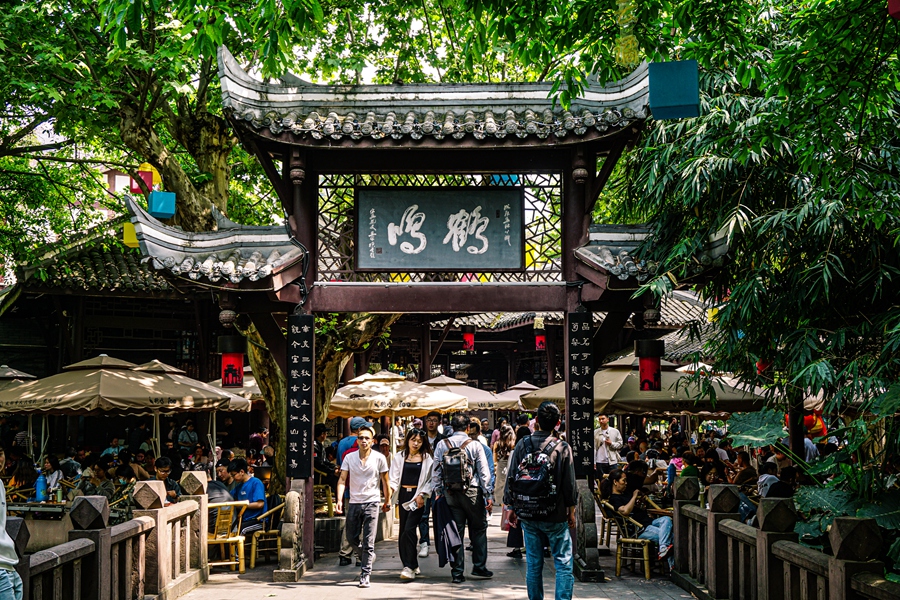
<point>329,581</point>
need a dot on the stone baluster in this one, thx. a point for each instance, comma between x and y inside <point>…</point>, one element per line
<point>150,496</point>
<point>90,520</point>
<point>776,518</point>
<point>687,493</point>
<point>17,529</point>
<point>723,504</point>
<point>194,484</point>
<point>855,543</point>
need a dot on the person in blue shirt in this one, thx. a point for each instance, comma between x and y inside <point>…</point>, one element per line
<point>113,448</point>
<point>252,490</point>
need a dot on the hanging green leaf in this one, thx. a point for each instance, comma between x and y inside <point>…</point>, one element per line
<point>756,429</point>
<point>885,510</point>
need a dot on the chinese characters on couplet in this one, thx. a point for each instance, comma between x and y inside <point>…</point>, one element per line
<point>580,390</point>
<point>301,350</point>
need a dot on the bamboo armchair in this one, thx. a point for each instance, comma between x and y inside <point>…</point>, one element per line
<point>227,532</point>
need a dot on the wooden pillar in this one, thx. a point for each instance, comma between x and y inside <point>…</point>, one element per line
<point>551,354</point>
<point>425,352</point>
<point>606,339</point>
<point>855,543</point>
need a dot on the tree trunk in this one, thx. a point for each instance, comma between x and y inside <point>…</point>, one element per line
<point>192,207</point>
<point>271,383</point>
<point>336,346</point>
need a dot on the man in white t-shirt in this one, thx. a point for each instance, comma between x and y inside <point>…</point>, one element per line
<point>366,470</point>
<point>607,443</point>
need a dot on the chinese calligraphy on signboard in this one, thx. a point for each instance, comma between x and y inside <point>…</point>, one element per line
<point>301,360</point>
<point>580,391</point>
<point>462,229</point>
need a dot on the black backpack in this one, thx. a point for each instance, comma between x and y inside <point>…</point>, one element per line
<point>532,482</point>
<point>456,467</point>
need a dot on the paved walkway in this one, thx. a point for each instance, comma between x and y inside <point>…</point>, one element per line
<point>328,580</point>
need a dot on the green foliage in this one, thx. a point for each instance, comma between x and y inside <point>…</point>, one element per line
<point>885,510</point>
<point>756,429</point>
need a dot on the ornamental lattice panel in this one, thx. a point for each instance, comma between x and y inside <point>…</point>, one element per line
<point>543,244</point>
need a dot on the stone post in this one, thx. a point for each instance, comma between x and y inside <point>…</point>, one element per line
<point>194,484</point>
<point>723,504</point>
<point>687,493</point>
<point>292,562</point>
<point>150,496</point>
<point>90,517</point>
<point>17,529</point>
<point>855,543</point>
<point>776,518</point>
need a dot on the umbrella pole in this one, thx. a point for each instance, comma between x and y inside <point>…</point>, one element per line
<point>212,427</point>
<point>30,434</point>
<point>43,435</point>
<point>156,433</point>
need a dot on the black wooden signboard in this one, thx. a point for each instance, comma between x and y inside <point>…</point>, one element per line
<point>449,229</point>
<point>580,391</point>
<point>301,360</point>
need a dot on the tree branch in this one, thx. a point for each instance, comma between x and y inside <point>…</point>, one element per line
<point>28,149</point>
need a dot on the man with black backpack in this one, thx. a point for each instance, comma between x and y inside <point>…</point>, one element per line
<point>462,476</point>
<point>540,489</point>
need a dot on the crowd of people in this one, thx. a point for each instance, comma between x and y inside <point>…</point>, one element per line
<point>447,475</point>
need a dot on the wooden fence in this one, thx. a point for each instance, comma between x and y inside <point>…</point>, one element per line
<point>717,556</point>
<point>159,554</point>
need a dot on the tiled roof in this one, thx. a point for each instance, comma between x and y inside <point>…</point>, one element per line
<point>106,266</point>
<point>676,310</point>
<point>438,111</point>
<point>233,252</point>
<point>611,248</point>
<point>680,346</point>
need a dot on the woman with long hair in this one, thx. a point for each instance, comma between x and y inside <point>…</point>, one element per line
<point>503,447</point>
<point>410,480</point>
<point>52,472</point>
<point>25,474</point>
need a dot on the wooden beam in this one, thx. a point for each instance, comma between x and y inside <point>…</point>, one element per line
<point>430,297</point>
<point>609,163</point>
<point>441,339</point>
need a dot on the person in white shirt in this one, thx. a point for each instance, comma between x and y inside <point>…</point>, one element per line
<point>10,582</point>
<point>410,480</point>
<point>366,469</point>
<point>607,443</point>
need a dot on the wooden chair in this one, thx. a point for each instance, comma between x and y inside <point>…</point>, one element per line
<point>322,498</point>
<point>607,523</point>
<point>271,532</point>
<point>630,549</point>
<point>227,532</point>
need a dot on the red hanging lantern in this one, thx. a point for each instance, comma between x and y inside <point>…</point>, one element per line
<point>894,8</point>
<point>232,348</point>
<point>468,334</point>
<point>649,353</point>
<point>232,370</point>
<point>540,334</point>
<point>762,365</point>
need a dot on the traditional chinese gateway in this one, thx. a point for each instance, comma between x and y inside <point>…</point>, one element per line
<point>425,198</point>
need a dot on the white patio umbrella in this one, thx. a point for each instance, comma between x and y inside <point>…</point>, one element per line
<point>385,393</point>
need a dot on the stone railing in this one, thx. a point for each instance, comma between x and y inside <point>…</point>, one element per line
<point>717,556</point>
<point>160,553</point>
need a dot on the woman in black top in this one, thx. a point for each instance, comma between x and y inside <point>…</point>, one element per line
<point>410,481</point>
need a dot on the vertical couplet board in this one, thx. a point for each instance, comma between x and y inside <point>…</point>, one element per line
<point>301,361</point>
<point>580,391</point>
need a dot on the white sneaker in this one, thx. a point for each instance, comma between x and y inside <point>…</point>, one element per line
<point>423,550</point>
<point>407,573</point>
<point>418,571</point>
<point>363,581</point>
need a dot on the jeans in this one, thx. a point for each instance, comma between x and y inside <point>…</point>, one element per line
<point>10,585</point>
<point>423,524</point>
<point>560,543</point>
<point>362,520</point>
<point>468,507</point>
<point>660,531</point>
<point>409,523</point>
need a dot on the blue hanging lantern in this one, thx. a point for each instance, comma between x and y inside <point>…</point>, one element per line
<point>161,205</point>
<point>675,90</point>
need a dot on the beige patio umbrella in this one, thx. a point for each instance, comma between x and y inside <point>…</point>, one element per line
<point>515,393</point>
<point>8,373</point>
<point>388,394</point>
<point>616,390</point>
<point>478,399</point>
